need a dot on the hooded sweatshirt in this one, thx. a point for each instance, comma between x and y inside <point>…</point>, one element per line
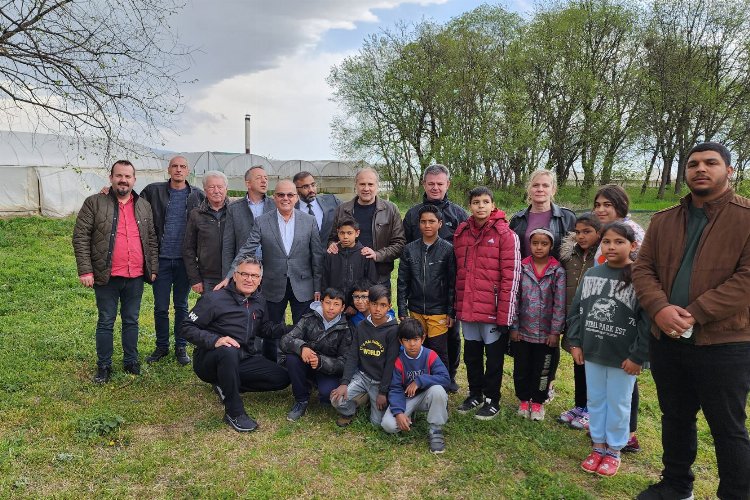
<point>373,352</point>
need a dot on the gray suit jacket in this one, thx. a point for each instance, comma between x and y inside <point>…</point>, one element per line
<point>328,203</point>
<point>303,266</point>
<point>237,229</point>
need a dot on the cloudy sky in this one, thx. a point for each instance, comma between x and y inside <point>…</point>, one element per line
<point>270,59</point>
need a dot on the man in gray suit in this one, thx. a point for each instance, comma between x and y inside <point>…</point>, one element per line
<point>321,206</point>
<point>292,258</point>
<point>242,213</point>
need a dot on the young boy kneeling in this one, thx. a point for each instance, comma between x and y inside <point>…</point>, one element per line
<point>418,384</point>
<point>316,349</point>
<point>369,363</point>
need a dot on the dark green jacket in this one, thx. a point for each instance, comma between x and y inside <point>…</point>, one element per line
<point>95,231</point>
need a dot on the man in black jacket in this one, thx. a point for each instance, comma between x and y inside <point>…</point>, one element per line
<point>223,325</point>
<point>171,202</point>
<point>436,181</point>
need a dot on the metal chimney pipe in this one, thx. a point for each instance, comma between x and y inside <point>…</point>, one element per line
<point>247,134</point>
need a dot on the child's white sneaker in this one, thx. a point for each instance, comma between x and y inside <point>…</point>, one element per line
<point>537,411</point>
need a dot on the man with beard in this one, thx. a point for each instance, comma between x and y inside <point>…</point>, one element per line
<point>115,248</point>
<point>320,206</point>
<point>692,276</point>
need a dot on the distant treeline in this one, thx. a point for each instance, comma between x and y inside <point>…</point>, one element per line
<point>594,90</point>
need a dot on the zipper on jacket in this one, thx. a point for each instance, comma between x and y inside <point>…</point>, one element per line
<point>496,298</point>
<point>424,280</point>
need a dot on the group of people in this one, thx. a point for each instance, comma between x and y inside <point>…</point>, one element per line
<point>618,297</point>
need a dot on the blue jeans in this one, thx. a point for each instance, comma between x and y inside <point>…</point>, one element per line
<point>301,374</point>
<point>172,278</point>
<point>126,292</point>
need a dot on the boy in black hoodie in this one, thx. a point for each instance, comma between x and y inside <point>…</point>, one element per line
<point>341,270</point>
<point>369,364</point>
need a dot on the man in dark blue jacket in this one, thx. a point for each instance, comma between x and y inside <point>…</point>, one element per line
<point>223,325</point>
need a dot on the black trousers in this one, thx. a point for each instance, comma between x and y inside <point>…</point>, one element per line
<point>534,367</point>
<point>276,312</point>
<point>227,368</point>
<point>715,379</point>
<point>485,381</point>
<point>454,350</point>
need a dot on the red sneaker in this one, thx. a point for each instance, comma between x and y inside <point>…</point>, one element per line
<point>591,464</point>
<point>608,466</point>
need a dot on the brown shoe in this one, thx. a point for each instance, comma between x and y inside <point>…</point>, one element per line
<point>343,420</point>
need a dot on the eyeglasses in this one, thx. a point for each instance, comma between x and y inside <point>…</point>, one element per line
<point>359,297</point>
<point>248,276</point>
<point>307,186</point>
<point>285,195</point>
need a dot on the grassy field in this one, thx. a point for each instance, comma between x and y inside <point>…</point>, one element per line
<point>162,435</point>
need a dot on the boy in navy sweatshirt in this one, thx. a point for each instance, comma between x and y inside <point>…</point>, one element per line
<point>369,363</point>
<point>418,384</point>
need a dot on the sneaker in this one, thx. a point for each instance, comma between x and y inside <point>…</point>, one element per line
<point>241,423</point>
<point>344,420</point>
<point>632,446</point>
<point>568,416</point>
<point>453,387</point>
<point>219,393</point>
<point>159,353</point>
<point>537,412</point>
<point>299,409</point>
<point>132,368</point>
<point>663,491</point>
<point>182,356</point>
<point>523,409</point>
<point>581,423</point>
<point>437,441</point>
<point>103,374</point>
<point>470,403</point>
<point>608,466</point>
<point>489,409</point>
<point>592,462</point>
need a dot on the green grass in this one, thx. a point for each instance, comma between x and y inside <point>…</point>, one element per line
<point>161,434</point>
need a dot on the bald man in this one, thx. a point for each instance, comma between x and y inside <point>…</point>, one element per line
<point>289,241</point>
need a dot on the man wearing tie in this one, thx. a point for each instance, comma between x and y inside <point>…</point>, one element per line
<point>289,241</point>
<point>322,207</point>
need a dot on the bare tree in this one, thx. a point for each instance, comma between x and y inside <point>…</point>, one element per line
<point>106,69</point>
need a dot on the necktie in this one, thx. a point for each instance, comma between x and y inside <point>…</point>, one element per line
<point>310,210</point>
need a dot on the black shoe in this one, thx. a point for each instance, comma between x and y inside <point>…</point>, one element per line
<point>132,368</point>
<point>453,387</point>
<point>159,353</point>
<point>182,356</point>
<point>241,423</point>
<point>663,491</point>
<point>437,441</point>
<point>470,403</point>
<point>219,393</point>
<point>103,374</point>
<point>489,409</point>
<point>299,409</point>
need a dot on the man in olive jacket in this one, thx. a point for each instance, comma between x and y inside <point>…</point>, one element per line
<point>115,246</point>
<point>692,276</point>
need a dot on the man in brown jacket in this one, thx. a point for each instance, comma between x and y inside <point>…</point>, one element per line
<point>380,226</point>
<point>692,275</point>
<point>115,246</point>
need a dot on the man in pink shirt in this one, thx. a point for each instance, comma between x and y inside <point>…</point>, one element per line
<point>116,250</point>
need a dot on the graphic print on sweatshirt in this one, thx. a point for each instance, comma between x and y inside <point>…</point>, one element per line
<point>372,347</point>
<point>610,295</point>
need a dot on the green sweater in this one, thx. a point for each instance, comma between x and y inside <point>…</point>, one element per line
<point>606,321</point>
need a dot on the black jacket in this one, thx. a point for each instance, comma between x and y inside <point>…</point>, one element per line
<point>341,270</point>
<point>226,312</point>
<point>330,345</point>
<point>157,194</point>
<point>453,215</point>
<point>373,351</point>
<point>562,222</point>
<point>201,248</point>
<point>427,278</point>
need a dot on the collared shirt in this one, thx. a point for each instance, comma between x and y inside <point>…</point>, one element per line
<point>256,208</point>
<point>286,228</point>
<point>316,209</point>
<point>127,254</point>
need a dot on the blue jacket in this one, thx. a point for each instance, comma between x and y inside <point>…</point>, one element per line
<point>426,370</point>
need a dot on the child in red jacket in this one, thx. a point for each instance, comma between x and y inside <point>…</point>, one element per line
<point>488,264</point>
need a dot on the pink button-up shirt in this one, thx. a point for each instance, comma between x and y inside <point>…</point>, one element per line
<point>127,255</point>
